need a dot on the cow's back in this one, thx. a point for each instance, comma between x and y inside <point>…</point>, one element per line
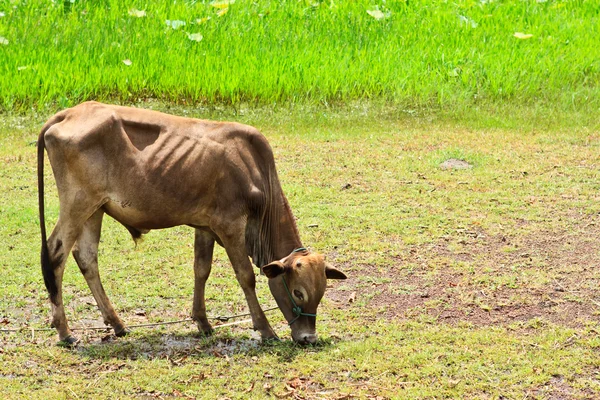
<point>154,170</point>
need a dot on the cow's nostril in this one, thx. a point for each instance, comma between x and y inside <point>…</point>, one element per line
<point>310,339</point>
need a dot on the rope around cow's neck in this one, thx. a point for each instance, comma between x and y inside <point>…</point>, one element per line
<point>296,309</point>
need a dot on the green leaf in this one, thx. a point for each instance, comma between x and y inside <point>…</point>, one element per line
<point>454,72</point>
<point>196,37</point>
<point>378,14</point>
<point>222,3</point>
<point>137,13</point>
<point>175,24</point>
<point>202,20</point>
<point>468,21</point>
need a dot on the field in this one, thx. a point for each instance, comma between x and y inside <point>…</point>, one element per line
<point>477,281</point>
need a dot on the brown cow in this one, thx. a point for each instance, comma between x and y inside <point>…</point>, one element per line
<point>150,170</point>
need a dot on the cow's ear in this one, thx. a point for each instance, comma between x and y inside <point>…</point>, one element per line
<point>334,273</point>
<point>274,269</point>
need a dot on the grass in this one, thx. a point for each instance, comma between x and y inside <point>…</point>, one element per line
<point>449,55</point>
<point>440,262</point>
<point>476,283</point>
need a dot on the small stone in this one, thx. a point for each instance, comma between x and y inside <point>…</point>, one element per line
<point>454,163</point>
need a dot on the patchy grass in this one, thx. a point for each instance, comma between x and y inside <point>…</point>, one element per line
<point>477,283</point>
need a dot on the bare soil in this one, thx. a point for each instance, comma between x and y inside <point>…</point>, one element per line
<point>486,279</point>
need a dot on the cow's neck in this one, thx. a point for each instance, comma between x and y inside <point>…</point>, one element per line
<point>273,235</point>
<point>288,239</point>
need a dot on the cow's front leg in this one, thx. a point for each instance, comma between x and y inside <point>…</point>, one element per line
<point>203,252</point>
<point>236,251</point>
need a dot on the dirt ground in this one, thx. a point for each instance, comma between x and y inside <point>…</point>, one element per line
<point>486,279</point>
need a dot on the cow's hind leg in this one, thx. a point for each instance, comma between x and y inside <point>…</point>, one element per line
<point>54,256</point>
<point>204,244</point>
<point>85,253</point>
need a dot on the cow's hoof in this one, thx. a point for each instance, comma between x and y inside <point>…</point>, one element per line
<point>205,328</point>
<point>206,332</point>
<point>70,341</point>
<point>122,332</point>
<point>271,340</point>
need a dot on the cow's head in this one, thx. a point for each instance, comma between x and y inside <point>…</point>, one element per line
<point>298,283</point>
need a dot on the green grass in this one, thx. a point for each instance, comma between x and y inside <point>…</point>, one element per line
<point>401,229</point>
<point>452,55</point>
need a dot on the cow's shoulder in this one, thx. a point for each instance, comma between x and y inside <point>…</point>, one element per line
<point>243,138</point>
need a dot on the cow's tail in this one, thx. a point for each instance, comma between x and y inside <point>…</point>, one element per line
<point>47,267</point>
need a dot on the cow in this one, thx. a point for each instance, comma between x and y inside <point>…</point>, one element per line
<point>150,170</point>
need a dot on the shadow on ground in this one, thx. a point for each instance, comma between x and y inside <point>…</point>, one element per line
<point>184,346</point>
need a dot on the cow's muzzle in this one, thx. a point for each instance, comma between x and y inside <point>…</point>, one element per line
<point>305,338</point>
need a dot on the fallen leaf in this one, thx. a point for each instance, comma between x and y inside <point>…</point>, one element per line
<point>198,378</point>
<point>107,339</point>
<point>222,11</point>
<point>127,62</point>
<point>294,383</point>
<point>352,297</point>
<point>521,35</point>
<point>3,40</point>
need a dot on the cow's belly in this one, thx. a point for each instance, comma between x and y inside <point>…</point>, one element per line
<point>152,216</point>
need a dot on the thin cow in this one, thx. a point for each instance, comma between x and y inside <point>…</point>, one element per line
<point>150,170</point>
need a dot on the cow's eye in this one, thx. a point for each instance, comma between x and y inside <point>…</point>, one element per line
<point>298,294</point>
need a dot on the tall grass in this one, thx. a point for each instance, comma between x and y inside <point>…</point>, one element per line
<point>416,52</point>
